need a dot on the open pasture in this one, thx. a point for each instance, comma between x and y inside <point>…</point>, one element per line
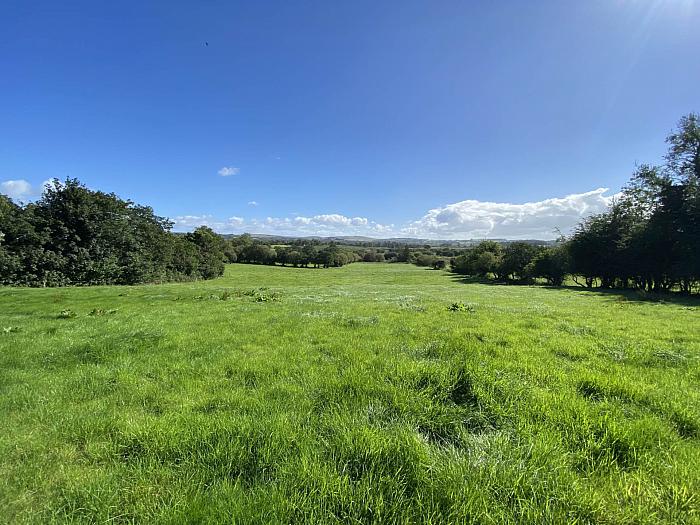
<point>368,393</point>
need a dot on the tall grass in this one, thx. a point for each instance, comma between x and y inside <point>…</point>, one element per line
<point>349,395</point>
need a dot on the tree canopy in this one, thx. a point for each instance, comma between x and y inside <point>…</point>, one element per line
<point>649,238</point>
<point>75,235</point>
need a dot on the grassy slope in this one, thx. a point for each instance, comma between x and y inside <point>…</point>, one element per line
<point>355,397</point>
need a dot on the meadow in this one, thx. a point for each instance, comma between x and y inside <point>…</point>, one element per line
<point>363,394</point>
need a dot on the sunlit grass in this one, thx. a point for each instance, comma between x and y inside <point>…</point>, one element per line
<point>347,395</point>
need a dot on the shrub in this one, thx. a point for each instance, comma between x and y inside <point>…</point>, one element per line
<point>74,235</point>
<point>462,307</point>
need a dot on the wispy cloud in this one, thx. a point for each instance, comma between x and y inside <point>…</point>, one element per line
<point>227,171</point>
<point>16,189</point>
<point>188,222</point>
<point>326,224</point>
<point>468,219</point>
<point>329,225</point>
<point>252,203</point>
<point>21,190</point>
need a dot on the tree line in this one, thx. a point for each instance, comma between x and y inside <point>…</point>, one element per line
<point>648,239</point>
<point>77,236</point>
<point>304,253</point>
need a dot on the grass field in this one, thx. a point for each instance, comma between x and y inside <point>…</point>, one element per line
<point>349,395</point>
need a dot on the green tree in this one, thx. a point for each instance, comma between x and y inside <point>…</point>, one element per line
<point>551,264</point>
<point>211,248</point>
<point>516,257</point>
<point>683,156</point>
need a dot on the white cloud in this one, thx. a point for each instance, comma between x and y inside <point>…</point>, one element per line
<point>21,190</point>
<point>17,189</point>
<point>227,171</point>
<point>535,220</point>
<point>328,225</point>
<point>252,203</point>
<point>469,219</point>
<point>188,222</point>
<point>47,184</point>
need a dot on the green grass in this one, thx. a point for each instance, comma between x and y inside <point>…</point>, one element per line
<point>350,395</point>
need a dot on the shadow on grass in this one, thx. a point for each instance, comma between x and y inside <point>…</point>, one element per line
<point>470,279</point>
<point>638,296</point>
<point>612,293</point>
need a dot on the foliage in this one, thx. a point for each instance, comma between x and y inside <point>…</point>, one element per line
<point>439,264</point>
<point>461,307</point>
<point>552,264</point>
<point>424,259</point>
<point>74,235</point>
<point>482,260</point>
<point>649,238</point>
<point>211,249</point>
<point>245,249</point>
<point>516,258</point>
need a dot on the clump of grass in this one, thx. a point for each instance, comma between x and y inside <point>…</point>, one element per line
<point>409,305</point>
<point>686,425</point>
<point>570,355</point>
<point>596,391</point>
<point>462,307</point>
<point>356,322</point>
<point>97,312</point>
<point>66,314</point>
<point>576,330</point>
<point>263,295</point>
<point>591,390</point>
<point>668,358</point>
<point>320,314</point>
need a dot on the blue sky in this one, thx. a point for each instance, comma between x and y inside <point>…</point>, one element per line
<point>442,119</point>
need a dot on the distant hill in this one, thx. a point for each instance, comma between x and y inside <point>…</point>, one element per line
<point>411,241</point>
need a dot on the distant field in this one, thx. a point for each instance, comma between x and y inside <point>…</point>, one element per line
<point>348,395</point>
